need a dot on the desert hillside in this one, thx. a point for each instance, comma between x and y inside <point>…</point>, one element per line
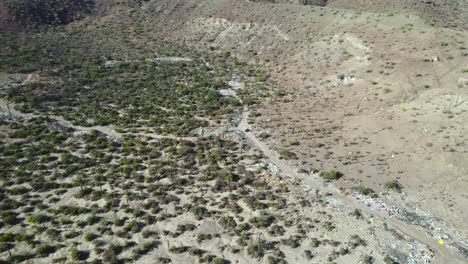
<point>233,131</point>
<point>379,96</point>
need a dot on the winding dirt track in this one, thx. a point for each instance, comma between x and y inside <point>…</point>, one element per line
<point>107,130</point>
<point>443,254</point>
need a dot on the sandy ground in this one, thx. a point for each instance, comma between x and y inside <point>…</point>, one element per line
<point>382,230</point>
<point>375,96</point>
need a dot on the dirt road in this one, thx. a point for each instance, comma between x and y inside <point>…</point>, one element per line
<point>107,130</point>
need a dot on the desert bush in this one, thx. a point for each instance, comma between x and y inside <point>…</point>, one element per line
<point>45,250</point>
<point>90,236</point>
<point>263,220</point>
<point>42,12</point>
<point>330,175</point>
<point>227,222</point>
<point>187,227</point>
<point>390,260</point>
<point>355,241</point>
<point>364,190</point>
<point>196,252</point>
<point>287,154</point>
<point>356,213</point>
<point>366,259</point>
<point>70,210</point>
<point>6,246</point>
<point>133,226</point>
<point>293,241</point>
<point>179,250</point>
<point>276,230</point>
<point>161,260</point>
<point>78,255</point>
<point>10,218</point>
<point>254,203</point>
<point>200,212</point>
<point>393,185</point>
<point>202,237</point>
<point>111,252</point>
<point>38,218</point>
<point>7,237</point>
<point>315,242</point>
<point>218,260</point>
<point>146,247</point>
<point>256,248</point>
<point>308,254</point>
<point>275,260</point>
<point>71,234</point>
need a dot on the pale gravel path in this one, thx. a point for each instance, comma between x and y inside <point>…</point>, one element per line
<point>107,130</point>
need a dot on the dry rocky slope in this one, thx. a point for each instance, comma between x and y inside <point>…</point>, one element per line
<point>374,90</point>
<point>378,96</point>
<point>449,13</point>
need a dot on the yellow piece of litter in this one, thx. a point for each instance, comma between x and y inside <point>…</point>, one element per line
<point>441,242</point>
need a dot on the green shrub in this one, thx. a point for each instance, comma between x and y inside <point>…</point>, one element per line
<point>71,234</point>
<point>287,154</point>
<point>275,260</point>
<point>315,243</point>
<point>262,221</point>
<point>70,210</point>
<point>200,212</point>
<point>293,241</point>
<point>355,241</point>
<point>7,237</point>
<point>38,218</point>
<point>6,246</point>
<point>78,255</point>
<point>330,175</point>
<point>40,12</point>
<point>308,254</point>
<point>90,236</point>
<point>366,259</point>
<point>45,250</point>
<point>256,248</point>
<point>10,218</point>
<point>389,260</point>
<point>146,247</point>
<point>179,250</point>
<point>365,191</point>
<point>227,222</point>
<point>218,260</point>
<point>393,185</point>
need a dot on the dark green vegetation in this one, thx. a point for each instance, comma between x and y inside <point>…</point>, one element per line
<point>330,175</point>
<point>393,186</point>
<point>364,190</point>
<point>52,198</point>
<point>93,75</point>
<point>71,193</point>
<point>60,188</point>
<point>49,12</point>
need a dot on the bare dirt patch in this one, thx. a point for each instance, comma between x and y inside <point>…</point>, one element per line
<point>362,94</point>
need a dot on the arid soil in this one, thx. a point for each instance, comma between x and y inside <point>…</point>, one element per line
<point>378,96</point>
<point>310,201</point>
<point>451,13</point>
<point>376,91</point>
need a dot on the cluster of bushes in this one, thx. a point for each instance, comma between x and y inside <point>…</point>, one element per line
<point>133,91</point>
<point>49,12</point>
